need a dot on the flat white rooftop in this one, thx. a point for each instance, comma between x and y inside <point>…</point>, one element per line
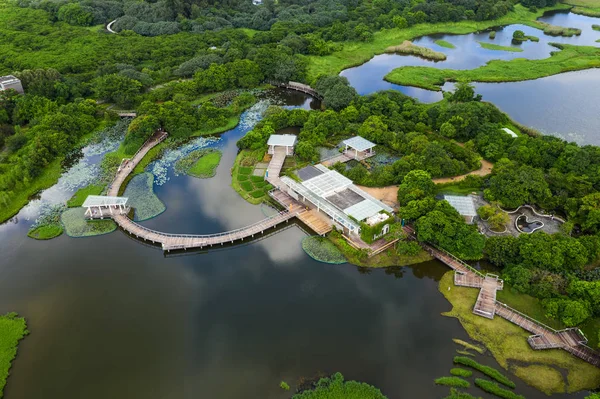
<point>359,143</point>
<point>102,200</point>
<point>284,140</point>
<point>327,183</point>
<point>463,204</point>
<point>363,210</point>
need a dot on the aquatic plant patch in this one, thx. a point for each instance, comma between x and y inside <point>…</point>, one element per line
<point>455,382</point>
<point>445,44</point>
<point>468,345</point>
<point>140,192</point>
<point>493,388</point>
<point>491,46</point>
<point>461,372</point>
<point>201,163</point>
<point>336,388</point>
<point>76,225</point>
<point>48,224</point>
<point>408,48</point>
<point>12,329</point>
<point>489,371</point>
<point>323,250</point>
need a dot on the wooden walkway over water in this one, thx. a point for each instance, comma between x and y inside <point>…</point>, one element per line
<point>571,340</point>
<point>170,241</point>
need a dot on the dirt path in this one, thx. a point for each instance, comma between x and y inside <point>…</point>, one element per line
<point>486,169</point>
<point>389,194</point>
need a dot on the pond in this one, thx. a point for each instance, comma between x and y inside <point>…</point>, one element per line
<point>564,105</point>
<point>528,226</point>
<point>112,317</point>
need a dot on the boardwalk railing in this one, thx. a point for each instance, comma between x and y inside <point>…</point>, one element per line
<point>531,319</point>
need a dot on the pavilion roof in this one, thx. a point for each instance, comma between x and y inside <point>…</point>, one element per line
<point>284,140</point>
<point>359,143</point>
<point>102,200</point>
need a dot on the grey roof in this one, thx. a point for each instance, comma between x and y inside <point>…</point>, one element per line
<point>8,79</point>
<point>464,205</point>
<point>102,200</point>
<point>327,183</point>
<point>364,209</point>
<point>359,143</point>
<point>284,140</point>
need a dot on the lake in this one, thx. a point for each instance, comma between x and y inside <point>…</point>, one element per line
<point>565,105</point>
<point>112,317</point>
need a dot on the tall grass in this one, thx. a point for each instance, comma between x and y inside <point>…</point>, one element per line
<point>497,47</point>
<point>494,389</point>
<point>489,371</point>
<point>455,382</point>
<point>461,372</point>
<point>444,43</point>
<point>409,48</point>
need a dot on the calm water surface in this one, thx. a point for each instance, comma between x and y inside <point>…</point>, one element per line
<point>113,318</point>
<point>565,105</point>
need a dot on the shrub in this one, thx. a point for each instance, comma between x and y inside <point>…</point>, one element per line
<point>247,186</point>
<point>493,388</point>
<point>493,34</point>
<point>409,248</point>
<point>284,385</point>
<point>489,371</point>
<point>461,372</point>
<point>455,382</point>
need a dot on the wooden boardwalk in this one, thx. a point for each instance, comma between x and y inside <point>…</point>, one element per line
<point>170,241</point>
<point>571,340</point>
<point>301,87</point>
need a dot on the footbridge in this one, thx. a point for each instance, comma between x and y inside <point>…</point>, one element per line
<point>171,241</point>
<point>571,340</point>
<point>301,87</point>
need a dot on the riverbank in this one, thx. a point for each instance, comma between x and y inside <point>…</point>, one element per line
<point>357,53</point>
<point>569,58</point>
<point>12,329</point>
<point>556,370</point>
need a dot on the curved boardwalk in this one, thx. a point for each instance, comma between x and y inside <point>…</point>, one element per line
<point>571,339</point>
<point>170,241</point>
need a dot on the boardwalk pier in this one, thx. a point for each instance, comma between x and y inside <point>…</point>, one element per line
<point>571,340</point>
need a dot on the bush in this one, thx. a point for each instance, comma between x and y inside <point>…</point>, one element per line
<point>489,371</point>
<point>247,186</point>
<point>455,382</point>
<point>461,372</point>
<point>493,388</point>
<point>284,385</point>
<point>409,248</point>
<point>323,250</point>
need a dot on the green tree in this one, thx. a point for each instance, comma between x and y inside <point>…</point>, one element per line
<point>117,88</point>
<point>416,185</point>
<point>518,35</point>
<point>75,14</point>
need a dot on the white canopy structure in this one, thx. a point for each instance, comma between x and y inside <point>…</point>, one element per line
<point>282,140</point>
<point>327,183</point>
<point>100,205</point>
<point>509,132</point>
<point>362,147</point>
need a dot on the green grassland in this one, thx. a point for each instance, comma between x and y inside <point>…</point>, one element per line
<point>12,330</point>
<point>80,195</point>
<point>570,58</point>
<point>46,232</point>
<point>357,53</point>
<point>491,46</point>
<point>253,189</point>
<point>508,344</point>
<point>206,166</point>
<point>591,8</point>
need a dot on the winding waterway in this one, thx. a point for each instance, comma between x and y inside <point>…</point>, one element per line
<point>565,105</point>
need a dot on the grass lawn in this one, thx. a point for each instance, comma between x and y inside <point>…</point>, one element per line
<point>251,188</point>
<point>336,388</point>
<point>46,232</point>
<point>444,43</point>
<point>232,122</point>
<point>508,344</point>
<point>12,330</point>
<point>570,58</point>
<point>206,166</point>
<point>79,197</point>
<point>491,46</point>
<point>591,8</point>
<point>357,53</point>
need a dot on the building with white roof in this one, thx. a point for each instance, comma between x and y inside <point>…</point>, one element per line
<point>11,82</point>
<point>464,205</point>
<point>282,140</point>
<point>335,195</point>
<point>359,147</point>
<point>99,206</point>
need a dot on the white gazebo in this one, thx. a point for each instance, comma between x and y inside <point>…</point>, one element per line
<point>464,205</point>
<point>362,147</point>
<point>99,206</point>
<point>282,140</point>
